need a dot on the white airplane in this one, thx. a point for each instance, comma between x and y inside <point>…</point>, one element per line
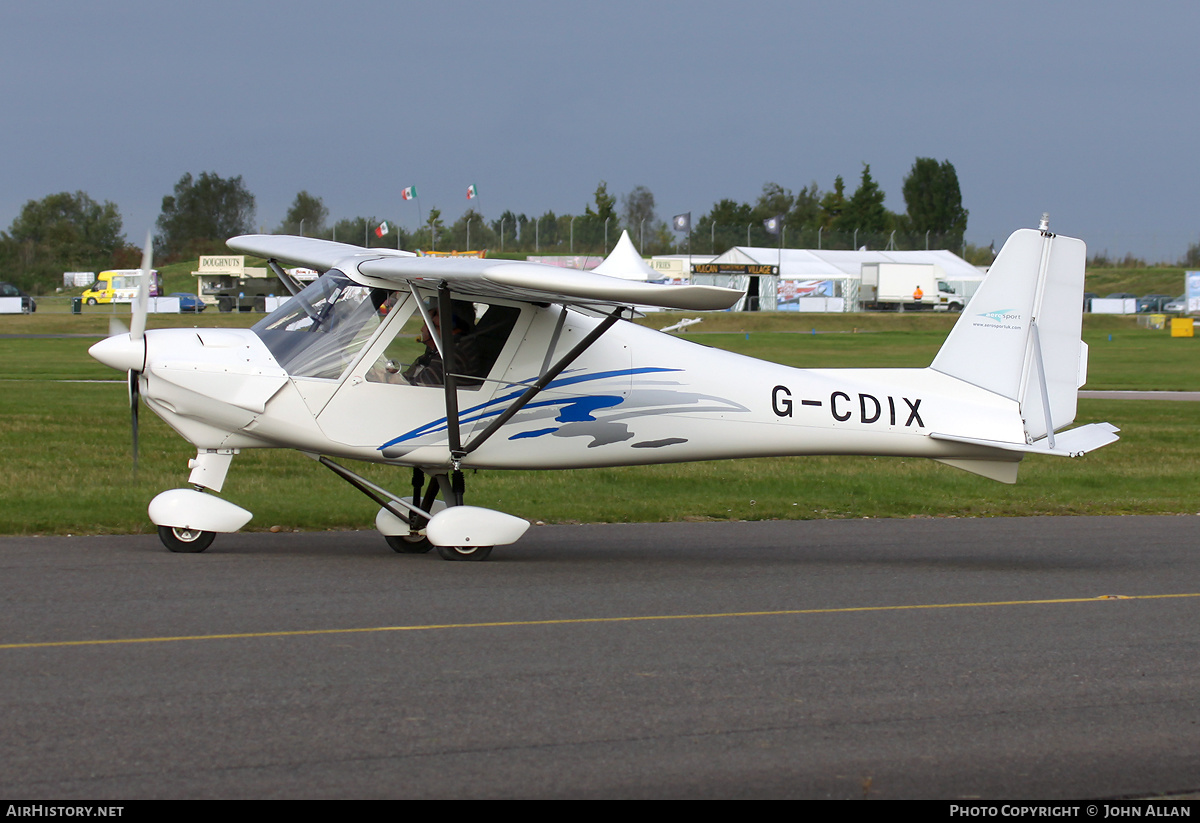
<point>547,374</point>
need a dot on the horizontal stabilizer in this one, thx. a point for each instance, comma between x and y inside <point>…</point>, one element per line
<point>1081,440</point>
<point>1073,443</point>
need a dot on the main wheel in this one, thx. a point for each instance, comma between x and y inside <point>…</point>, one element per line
<point>190,541</point>
<point>464,552</point>
<point>408,544</point>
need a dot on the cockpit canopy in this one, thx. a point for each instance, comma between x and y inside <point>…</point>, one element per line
<point>321,330</point>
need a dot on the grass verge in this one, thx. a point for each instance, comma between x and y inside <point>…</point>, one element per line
<point>68,470</point>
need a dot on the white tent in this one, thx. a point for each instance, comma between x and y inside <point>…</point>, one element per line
<point>811,264</point>
<point>843,268</point>
<point>626,263</point>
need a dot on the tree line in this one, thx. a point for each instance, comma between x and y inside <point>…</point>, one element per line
<point>72,232</point>
<point>934,217</point>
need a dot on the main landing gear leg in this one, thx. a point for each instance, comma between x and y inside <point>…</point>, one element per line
<point>401,520</point>
<point>415,542</point>
<point>416,512</point>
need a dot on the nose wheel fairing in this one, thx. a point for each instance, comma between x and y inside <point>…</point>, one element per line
<point>194,510</point>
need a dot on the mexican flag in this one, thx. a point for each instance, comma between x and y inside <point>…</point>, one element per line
<point>472,192</point>
<point>409,193</point>
<point>381,229</point>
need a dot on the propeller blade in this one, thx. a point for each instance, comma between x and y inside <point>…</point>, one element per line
<point>135,394</point>
<point>115,327</point>
<point>138,326</point>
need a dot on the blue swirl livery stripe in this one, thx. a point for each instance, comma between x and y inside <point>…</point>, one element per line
<point>496,406</point>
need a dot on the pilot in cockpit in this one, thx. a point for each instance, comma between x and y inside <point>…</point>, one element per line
<point>428,369</point>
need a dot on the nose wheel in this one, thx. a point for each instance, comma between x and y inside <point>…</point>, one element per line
<point>188,541</point>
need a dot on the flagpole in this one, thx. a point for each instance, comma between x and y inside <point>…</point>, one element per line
<point>683,222</point>
<point>421,216</point>
<point>779,274</point>
<point>472,194</point>
<point>689,246</point>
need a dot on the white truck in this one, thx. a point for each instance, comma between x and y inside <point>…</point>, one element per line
<point>906,287</point>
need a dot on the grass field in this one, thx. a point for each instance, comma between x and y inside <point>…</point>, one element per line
<point>68,470</point>
<point>1139,281</point>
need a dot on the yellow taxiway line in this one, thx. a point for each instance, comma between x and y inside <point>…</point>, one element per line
<point>583,620</point>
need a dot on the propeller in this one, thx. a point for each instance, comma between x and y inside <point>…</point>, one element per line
<point>138,327</point>
<point>137,333</point>
<point>125,349</point>
<point>135,395</point>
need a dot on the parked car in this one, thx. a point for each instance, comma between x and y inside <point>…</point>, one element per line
<point>28,304</point>
<point>1176,306</point>
<point>188,302</point>
<point>1152,303</point>
<point>1087,300</point>
<point>1119,295</point>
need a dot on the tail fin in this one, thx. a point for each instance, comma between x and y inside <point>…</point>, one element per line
<point>1020,335</point>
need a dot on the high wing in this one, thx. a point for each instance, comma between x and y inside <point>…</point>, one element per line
<point>529,282</point>
<point>321,255</point>
<point>539,283</point>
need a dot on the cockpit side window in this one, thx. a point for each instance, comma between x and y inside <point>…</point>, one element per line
<point>481,331</point>
<point>319,332</point>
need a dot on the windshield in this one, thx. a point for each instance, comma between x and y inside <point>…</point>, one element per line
<point>319,332</point>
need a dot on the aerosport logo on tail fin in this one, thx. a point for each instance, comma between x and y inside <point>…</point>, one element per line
<point>1002,318</point>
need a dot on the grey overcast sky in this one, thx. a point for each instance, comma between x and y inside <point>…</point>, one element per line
<point>1087,110</point>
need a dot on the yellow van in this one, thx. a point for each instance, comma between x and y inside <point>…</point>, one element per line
<point>118,286</point>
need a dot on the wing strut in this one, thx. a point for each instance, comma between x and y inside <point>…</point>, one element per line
<point>290,284</point>
<point>429,324</point>
<point>558,326</point>
<point>547,376</point>
<point>446,314</point>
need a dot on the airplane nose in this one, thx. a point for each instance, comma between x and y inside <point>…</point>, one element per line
<point>121,352</point>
